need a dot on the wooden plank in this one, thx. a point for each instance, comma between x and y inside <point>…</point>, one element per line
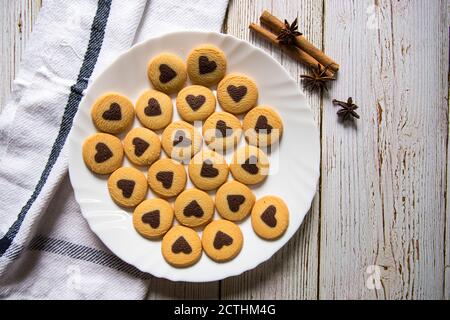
<point>447,224</point>
<point>292,272</point>
<point>383,179</point>
<point>16,19</point>
<point>168,290</point>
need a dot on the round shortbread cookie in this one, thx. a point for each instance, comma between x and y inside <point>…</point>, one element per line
<point>208,170</point>
<point>154,109</point>
<point>103,153</point>
<point>181,247</point>
<point>194,208</point>
<point>195,103</point>
<point>142,146</point>
<point>270,217</point>
<point>250,165</point>
<point>127,186</point>
<point>262,126</point>
<point>237,93</point>
<point>222,131</point>
<point>206,65</point>
<point>153,218</point>
<point>181,141</point>
<point>234,201</point>
<point>222,240</point>
<point>112,113</point>
<point>167,73</point>
<point>167,177</point>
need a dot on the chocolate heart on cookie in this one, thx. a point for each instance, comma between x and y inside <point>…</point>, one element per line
<point>140,146</point>
<point>268,216</point>
<point>222,239</point>
<point>237,93</point>
<point>193,209</point>
<point>205,65</point>
<point>235,201</point>
<point>208,170</point>
<point>127,187</point>
<point>114,113</point>
<point>166,178</point>
<point>153,108</point>
<point>250,165</point>
<point>262,125</point>
<point>195,102</point>
<point>166,73</point>
<point>152,218</point>
<point>181,140</point>
<point>181,246</point>
<point>103,153</point>
<point>222,129</point>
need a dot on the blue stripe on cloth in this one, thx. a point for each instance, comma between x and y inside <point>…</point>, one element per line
<point>80,252</point>
<point>76,93</point>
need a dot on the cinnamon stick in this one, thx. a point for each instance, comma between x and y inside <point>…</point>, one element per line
<point>273,22</point>
<point>293,52</point>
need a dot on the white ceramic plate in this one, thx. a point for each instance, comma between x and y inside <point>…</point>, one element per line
<point>294,163</point>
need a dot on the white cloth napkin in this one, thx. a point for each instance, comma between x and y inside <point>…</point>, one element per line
<point>47,251</point>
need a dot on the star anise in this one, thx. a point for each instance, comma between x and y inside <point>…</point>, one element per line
<point>318,79</point>
<point>288,33</point>
<point>347,110</point>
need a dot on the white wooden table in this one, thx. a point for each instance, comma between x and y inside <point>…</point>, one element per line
<point>381,205</point>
